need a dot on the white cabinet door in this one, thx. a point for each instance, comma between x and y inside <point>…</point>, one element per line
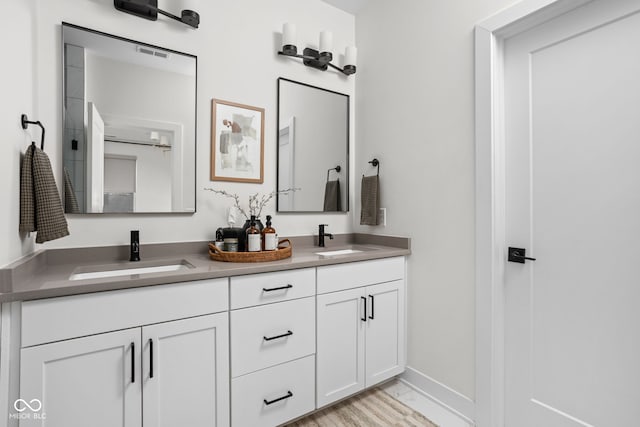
<point>340,345</point>
<point>85,381</point>
<point>186,372</point>
<point>385,331</point>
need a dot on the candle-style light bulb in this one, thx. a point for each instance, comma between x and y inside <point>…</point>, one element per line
<point>350,56</point>
<point>289,39</point>
<point>326,44</point>
<point>326,41</point>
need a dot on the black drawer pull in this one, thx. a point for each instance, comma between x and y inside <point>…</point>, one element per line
<point>288,333</point>
<point>133,362</point>
<point>289,286</point>
<point>286,396</point>
<point>364,315</point>
<point>150,358</point>
<point>372,302</point>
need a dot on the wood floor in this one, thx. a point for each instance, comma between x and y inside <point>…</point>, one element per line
<point>373,408</point>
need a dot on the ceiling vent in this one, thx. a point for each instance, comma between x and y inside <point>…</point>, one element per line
<point>152,52</point>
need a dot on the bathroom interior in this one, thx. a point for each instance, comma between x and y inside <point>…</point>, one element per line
<point>170,123</point>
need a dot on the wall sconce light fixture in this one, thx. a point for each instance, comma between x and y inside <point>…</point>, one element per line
<point>321,58</point>
<point>148,9</point>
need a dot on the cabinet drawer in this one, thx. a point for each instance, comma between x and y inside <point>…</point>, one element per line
<point>257,289</point>
<point>62,318</point>
<point>270,334</point>
<point>295,381</point>
<point>334,278</point>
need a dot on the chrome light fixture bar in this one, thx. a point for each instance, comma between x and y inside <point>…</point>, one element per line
<point>148,9</point>
<point>319,59</point>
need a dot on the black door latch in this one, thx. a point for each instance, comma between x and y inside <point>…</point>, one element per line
<point>518,255</point>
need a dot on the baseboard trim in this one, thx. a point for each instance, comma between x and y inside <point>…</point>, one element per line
<point>446,397</point>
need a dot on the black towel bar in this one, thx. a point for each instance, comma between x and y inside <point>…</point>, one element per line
<point>337,169</point>
<point>24,120</point>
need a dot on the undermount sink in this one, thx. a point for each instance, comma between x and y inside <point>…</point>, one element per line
<point>128,270</point>
<point>345,251</point>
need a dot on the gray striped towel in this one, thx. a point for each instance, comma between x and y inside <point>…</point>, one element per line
<point>40,204</point>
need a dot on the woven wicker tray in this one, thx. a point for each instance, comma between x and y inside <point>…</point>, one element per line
<point>281,253</point>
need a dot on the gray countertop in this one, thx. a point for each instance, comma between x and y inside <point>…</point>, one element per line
<point>45,274</point>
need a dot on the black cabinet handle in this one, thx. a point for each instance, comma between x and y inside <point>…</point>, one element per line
<point>364,316</point>
<point>133,362</point>
<point>280,288</point>
<point>150,358</point>
<point>371,316</point>
<point>288,333</point>
<point>286,396</point>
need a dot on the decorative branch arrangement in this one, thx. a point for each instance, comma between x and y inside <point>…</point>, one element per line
<point>257,201</point>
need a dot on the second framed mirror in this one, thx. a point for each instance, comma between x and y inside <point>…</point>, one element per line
<point>313,148</point>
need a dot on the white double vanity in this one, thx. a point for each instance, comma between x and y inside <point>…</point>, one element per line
<point>244,350</point>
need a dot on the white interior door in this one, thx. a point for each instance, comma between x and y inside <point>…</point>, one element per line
<point>572,324</point>
<point>95,160</point>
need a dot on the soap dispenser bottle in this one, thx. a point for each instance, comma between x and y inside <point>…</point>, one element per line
<point>269,236</point>
<point>254,243</point>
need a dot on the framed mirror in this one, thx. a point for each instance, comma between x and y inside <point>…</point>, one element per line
<point>313,148</point>
<point>129,120</point>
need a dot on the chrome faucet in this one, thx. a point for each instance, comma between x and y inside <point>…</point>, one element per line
<point>322,235</point>
<point>135,245</point>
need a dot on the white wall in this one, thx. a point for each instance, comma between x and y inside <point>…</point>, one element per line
<point>236,46</point>
<point>18,96</point>
<point>415,113</point>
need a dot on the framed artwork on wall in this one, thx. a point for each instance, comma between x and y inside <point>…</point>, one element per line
<point>237,142</point>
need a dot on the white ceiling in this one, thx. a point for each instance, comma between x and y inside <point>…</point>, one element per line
<point>351,6</point>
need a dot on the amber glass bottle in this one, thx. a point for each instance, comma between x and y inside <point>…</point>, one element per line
<point>269,237</point>
<point>254,243</point>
